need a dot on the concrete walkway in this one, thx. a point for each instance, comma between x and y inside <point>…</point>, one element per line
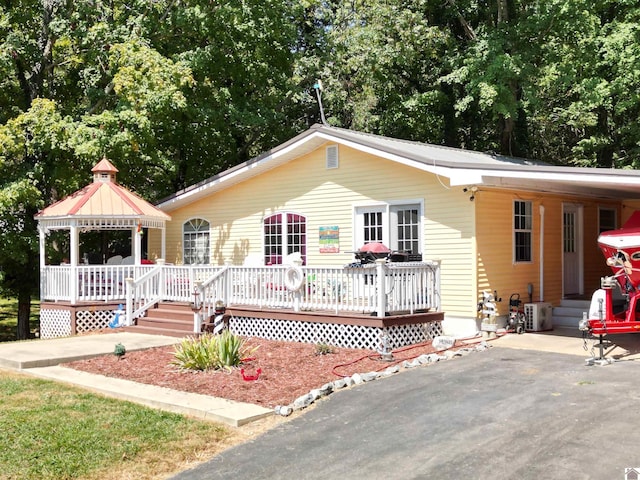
<point>569,341</point>
<point>42,358</point>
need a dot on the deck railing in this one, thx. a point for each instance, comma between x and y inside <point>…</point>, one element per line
<point>378,289</point>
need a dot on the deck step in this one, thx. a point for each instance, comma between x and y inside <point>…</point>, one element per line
<point>167,318</point>
<point>158,331</point>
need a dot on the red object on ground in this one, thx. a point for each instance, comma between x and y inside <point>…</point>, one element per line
<point>250,378</point>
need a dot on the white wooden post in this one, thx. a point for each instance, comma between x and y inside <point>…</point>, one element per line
<point>74,254</point>
<point>197,306</point>
<point>42,247</point>
<point>129,308</point>
<point>162,285</point>
<point>381,308</point>
<point>137,246</point>
<point>228,284</point>
<point>297,295</point>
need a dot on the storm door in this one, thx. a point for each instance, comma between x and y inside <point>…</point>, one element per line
<point>572,263</point>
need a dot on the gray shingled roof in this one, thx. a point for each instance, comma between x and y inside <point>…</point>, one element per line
<point>461,167</point>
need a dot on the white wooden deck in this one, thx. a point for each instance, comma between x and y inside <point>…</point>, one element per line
<point>379,289</point>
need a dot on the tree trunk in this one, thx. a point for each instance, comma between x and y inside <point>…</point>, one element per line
<point>503,11</point>
<point>506,134</point>
<point>24,312</point>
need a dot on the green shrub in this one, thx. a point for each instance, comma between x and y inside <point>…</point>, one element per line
<point>324,349</point>
<point>211,352</point>
<point>120,350</point>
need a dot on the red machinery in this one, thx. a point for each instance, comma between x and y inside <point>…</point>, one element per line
<point>621,248</point>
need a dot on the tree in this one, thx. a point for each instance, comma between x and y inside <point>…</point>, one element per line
<point>31,146</point>
<point>170,91</point>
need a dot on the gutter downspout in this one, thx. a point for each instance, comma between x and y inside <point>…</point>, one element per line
<point>541,253</point>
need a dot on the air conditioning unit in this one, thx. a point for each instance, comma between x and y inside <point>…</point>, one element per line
<point>537,317</point>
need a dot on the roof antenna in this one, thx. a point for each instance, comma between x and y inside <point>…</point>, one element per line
<point>318,87</point>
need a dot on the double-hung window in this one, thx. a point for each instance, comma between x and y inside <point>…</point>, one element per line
<point>195,234</point>
<point>405,228</point>
<point>522,231</point>
<point>398,226</point>
<point>283,234</point>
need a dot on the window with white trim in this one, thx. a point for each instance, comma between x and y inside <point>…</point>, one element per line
<point>284,234</point>
<point>372,226</point>
<point>398,226</point>
<point>522,231</point>
<point>405,228</point>
<point>195,234</point>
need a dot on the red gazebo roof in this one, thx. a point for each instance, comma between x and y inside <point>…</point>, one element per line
<point>102,204</point>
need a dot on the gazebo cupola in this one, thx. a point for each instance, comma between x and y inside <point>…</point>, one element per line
<point>101,205</point>
<point>104,172</point>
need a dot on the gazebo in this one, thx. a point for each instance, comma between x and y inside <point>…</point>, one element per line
<point>75,286</point>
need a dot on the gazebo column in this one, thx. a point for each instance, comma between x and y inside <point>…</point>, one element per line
<point>42,234</point>
<point>136,247</point>
<point>74,254</point>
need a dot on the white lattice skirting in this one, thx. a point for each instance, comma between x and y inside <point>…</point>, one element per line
<point>88,320</point>
<point>55,323</point>
<point>337,335</point>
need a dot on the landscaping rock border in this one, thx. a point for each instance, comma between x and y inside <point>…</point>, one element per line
<point>305,401</point>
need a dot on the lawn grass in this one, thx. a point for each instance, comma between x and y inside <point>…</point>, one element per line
<point>9,319</point>
<point>53,431</point>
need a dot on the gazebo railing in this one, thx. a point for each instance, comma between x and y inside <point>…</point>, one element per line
<point>87,283</point>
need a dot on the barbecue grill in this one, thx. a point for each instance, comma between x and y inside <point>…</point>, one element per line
<point>373,251</point>
<point>370,252</point>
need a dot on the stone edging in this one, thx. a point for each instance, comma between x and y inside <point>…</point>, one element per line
<point>357,378</point>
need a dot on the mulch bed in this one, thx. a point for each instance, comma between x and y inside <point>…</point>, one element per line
<point>287,370</point>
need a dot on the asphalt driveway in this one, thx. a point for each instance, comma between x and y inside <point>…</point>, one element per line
<point>498,414</point>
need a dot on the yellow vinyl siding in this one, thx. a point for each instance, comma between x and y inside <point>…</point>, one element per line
<point>497,272</point>
<point>450,238</point>
<point>327,197</point>
<point>496,268</point>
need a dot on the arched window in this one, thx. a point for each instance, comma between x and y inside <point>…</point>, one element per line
<point>196,248</point>
<point>284,233</point>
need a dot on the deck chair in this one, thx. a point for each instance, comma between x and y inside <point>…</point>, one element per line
<point>115,260</point>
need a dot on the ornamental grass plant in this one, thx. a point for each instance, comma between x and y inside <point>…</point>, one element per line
<point>211,352</point>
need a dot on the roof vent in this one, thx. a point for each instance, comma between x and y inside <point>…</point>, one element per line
<point>332,156</point>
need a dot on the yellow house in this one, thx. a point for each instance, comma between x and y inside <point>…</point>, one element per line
<point>498,224</point>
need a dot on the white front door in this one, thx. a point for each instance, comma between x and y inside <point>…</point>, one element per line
<point>572,264</point>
